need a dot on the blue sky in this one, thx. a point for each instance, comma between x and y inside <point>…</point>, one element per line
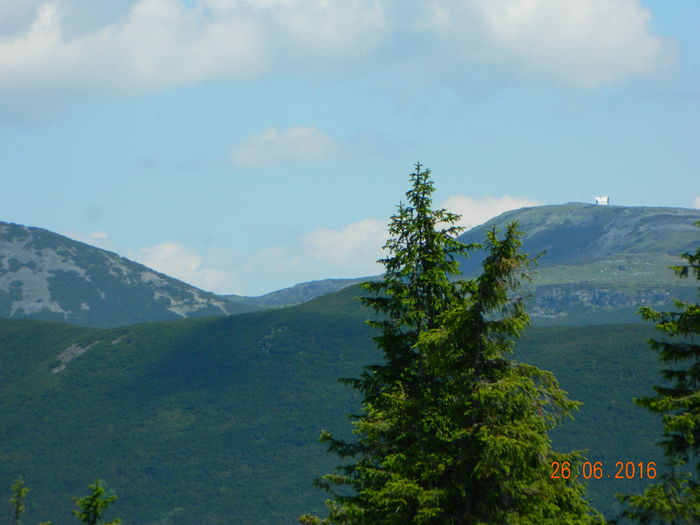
<point>247,145</point>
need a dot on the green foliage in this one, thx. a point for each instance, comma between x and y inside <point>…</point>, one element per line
<point>92,507</point>
<point>676,499</point>
<point>416,286</point>
<point>260,396</point>
<point>19,494</point>
<point>452,431</point>
<point>414,291</point>
<point>492,414</point>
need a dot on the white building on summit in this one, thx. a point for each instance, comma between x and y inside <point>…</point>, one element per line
<point>604,200</point>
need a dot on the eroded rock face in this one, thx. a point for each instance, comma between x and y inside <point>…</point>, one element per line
<point>44,275</point>
<point>589,305</point>
<point>69,354</point>
<point>556,299</point>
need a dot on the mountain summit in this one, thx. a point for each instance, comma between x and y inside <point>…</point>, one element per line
<point>44,275</point>
<point>599,263</point>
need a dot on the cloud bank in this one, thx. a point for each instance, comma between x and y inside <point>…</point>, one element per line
<point>297,144</point>
<point>348,251</point>
<point>176,260</point>
<point>55,52</point>
<point>355,247</point>
<point>476,211</point>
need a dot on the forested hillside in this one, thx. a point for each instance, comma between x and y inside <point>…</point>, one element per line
<point>216,420</point>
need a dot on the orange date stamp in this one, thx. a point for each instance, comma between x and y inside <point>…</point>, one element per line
<point>596,470</point>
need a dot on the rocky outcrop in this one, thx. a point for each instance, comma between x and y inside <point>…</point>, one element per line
<point>47,276</point>
<point>560,302</point>
<point>70,353</point>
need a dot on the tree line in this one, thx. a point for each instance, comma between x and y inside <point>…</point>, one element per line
<point>89,511</point>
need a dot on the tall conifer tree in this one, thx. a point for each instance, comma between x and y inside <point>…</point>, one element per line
<point>452,432</point>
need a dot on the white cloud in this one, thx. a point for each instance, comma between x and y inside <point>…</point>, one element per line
<point>54,52</point>
<point>586,43</point>
<point>159,44</point>
<point>350,251</point>
<point>99,239</point>
<point>178,261</point>
<point>696,202</point>
<point>333,34</point>
<point>356,246</point>
<point>476,211</point>
<point>294,145</point>
<point>15,15</point>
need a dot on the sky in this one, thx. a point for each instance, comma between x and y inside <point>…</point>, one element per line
<point>243,146</point>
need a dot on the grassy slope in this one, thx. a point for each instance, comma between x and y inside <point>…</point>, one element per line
<point>577,233</point>
<point>615,254</point>
<point>215,420</point>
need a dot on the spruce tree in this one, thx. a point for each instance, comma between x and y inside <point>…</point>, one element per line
<point>92,507</point>
<point>676,498</point>
<point>451,430</point>
<point>18,499</point>
<point>417,285</point>
<point>490,415</point>
<point>19,495</point>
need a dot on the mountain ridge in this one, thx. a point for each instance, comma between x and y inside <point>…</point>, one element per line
<point>602,262</point>
<point>45,275</point>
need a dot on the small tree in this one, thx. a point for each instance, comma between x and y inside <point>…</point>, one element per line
<point>19,494</point>
<point>91,507</point>
<point>676,499</point>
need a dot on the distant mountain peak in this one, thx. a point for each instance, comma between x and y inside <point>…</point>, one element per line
<point>599,261</point>
<point>44,275</point>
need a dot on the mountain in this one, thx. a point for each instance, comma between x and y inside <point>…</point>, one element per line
<point>297,294</point>
<point>216,420</point>
<point>47,276</point>
<point>600,262</point>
